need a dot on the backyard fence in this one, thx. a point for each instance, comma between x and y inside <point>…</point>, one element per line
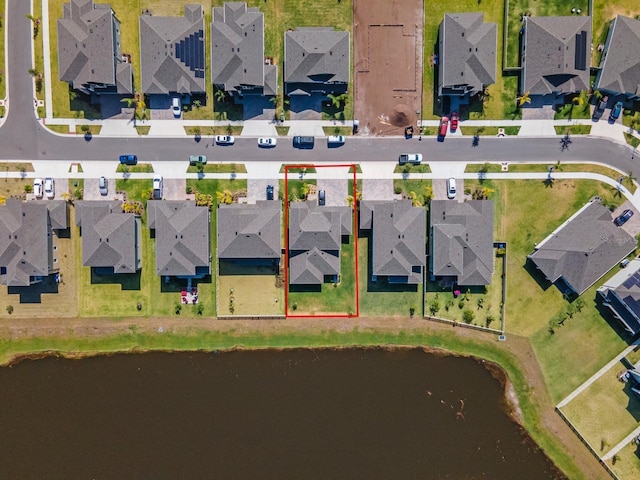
<point>251,317</point>
<point>455,323</point>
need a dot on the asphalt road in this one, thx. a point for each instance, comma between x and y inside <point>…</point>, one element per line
<point>22,137</point>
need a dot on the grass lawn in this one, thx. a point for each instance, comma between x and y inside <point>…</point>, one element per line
<point>627,464</point>
<point>605,412</point>
<point>489,131</point>
<point>409,168</point>
<point>345,131</point>
<point>282,131</point>
<point>254,290</point>
<point>537,9</point>
<point>329,298</point>
<point>631,140</point>
<point>219,168</point>
<point>10,187</point>
<point>573,130</point>
<point>421,189</point>
<point>3,85</point>
<point>603,12</point>
<point>136,189</point>
<point>139,168</point>
<point>38,54</point>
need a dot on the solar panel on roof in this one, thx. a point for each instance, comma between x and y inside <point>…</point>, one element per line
<point>200,62</point>
<point>199,73</point>
<point>193,52</point>
<point>581,51</point>
<point>178,51</point>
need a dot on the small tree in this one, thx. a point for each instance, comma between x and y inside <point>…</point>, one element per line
<point>9,309</point>
<point>468,316</point>
<point>178,308</point>
<point>28,188</point>
<point>412,310</point>
<point>579,304</point>
<point>489,320</point>
<point>200,308</point>
<point>434,306</point>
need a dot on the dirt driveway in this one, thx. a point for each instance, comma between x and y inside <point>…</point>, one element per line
<point>388,51</point>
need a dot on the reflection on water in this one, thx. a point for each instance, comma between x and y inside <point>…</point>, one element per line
<point>361,414</point>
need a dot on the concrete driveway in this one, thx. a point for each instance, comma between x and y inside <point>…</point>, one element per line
<point>92,191</point>
<point>439,186</point>
<point>257,189</point>
<point>174,189</point>
<point>334,182</point>
<point>632,227</point>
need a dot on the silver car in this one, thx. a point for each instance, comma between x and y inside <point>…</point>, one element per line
<point>103,185</point>
<point>49,187</point>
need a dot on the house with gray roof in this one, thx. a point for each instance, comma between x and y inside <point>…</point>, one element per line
<point>581,250</point>
<point>621,295</point>
<point>555,56</point>
<point>183,237</point>
<point>399,230</point>
<point>238,65</point>
<point>619,72</point>
<point>466,54</point>
<point>461,241</point>
<point>250,232</point>
<point>172,53</point>
<point>316,234</point>
<point>111,239</point>
<point>28,240</point>
<point>89,56</point>
<point>316,60</point>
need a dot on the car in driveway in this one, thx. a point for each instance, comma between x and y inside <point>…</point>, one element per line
<point>176,108</point>
<point>157,187</point>
<point>267,142</point>
<point>412,158</point>
<point>623,218</point>
<point>599,110</point>
<point>444,126</point>
<point>37,187</point>
<point>103,186</point>
<point>197,160</point>
<point>322,197</point>
<point>335,140</point>
<point>269,192</point>
<point>225,140</point>
<point>451,188</point>
<point>454,121</point>
<point>128,159</point>
<point>49,187</point>
<point>615,112</point>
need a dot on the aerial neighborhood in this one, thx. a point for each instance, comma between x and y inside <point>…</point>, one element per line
<point>287,160</point>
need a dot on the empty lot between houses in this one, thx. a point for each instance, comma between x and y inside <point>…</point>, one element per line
<point>388,64</point>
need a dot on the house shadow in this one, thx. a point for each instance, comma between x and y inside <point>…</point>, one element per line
<point>305,288</point>
<point>269,267</point>
<point>537,275</point>
<point>170,284</point>
<point>633,406</point>
<point>33,293</point>
<point>257,107</point>
<point>306,107</point>
<point>127,281</point>
<point>613,322</point>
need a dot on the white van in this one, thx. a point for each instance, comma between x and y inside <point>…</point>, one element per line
<point>451,188</point>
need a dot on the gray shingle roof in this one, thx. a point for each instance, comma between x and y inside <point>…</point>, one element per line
<point>310,267</point>
<point>88,47</point>
<point>25,248</point>
<point>621,293</point>
<point>237,49</point>
<point>462,240</point>
<point>399,239</point>
<point>316,57</point>
<point>583,249</point>
<point>249,230</point>
<point>312,226</point>
<point>467,53</point>
<point>58,214</point>
<point>183,243</point>
<point>110,238</point>
<point>172,52</point>
<point>620,64</point>
<point>557,53</point>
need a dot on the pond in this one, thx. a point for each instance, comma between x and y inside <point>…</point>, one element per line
<point>261,414</point>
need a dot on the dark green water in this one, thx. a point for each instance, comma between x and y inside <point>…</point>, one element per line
<point>299,414</point>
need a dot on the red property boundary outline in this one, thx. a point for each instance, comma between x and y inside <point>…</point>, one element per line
<point>286,236</point>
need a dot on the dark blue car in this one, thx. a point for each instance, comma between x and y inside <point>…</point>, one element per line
<point>128,159</point>
<point>615,112</point>
<point>622,219</point>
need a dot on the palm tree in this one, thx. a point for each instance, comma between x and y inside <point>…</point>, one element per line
<point>526,98</point>
<point>220,95</point>
<point>415,201</point>
<point>630,177</point>
<point>304,190</point>
<point>337,101</point>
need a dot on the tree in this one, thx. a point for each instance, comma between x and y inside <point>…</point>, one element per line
<point>579,304</point>
<point>428,194</point>
<point>220,95</point>
<point>415,200</point>
<point>525,98</point>
<point>434,306</point>
<point>304,190</point>
<point>9,309</point>
<point>338,101</point>
<point>468,316</point>
<point>630,178</point>
<point>225,196</point>
<point>489,320</point>
<point>197,104</point>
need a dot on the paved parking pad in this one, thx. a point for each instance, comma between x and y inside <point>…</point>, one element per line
<point>257,189</point>
<point>632,227</point>
<point>335,182</point>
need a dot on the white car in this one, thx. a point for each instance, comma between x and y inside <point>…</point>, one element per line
<point>225,140</point>
<point>175,107</point>
<point>157,188</point>
<point>412,158</point>
<point>451,188</point>
<point>267,142</point>
<point>335,140</point>
<point>49,187</point>
<point>37,187</point>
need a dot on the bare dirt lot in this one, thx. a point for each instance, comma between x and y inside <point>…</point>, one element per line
<point>388,64</point>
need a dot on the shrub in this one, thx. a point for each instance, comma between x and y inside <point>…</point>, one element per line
<point>139,306</point>
<point>200,308</point>
<point>28,188</point>
<point>9,309</point>
<point>412,310</point>
<point>178,308</point>
<point>434,306</point>
<point>489,320</point>
<point>397,190</point>
<point>468,316</point>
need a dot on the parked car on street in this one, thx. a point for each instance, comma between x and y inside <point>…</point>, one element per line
<point>442,129</point>
<point>269,192</point>
<point>303,142</point>
<point>176,107</point>
<point>599,110</point>
<point>412,158</point>
<point>335,140</point>
<point>225,140</point>
<point>197,159</point>
<point>128,159</point>
<point>103,186</point>
<point>49,187</point>
<point>623,218</point>
<point>615,112</point>
<point>454,121</point>
<point>267,142</point>
<point>37,187</point>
